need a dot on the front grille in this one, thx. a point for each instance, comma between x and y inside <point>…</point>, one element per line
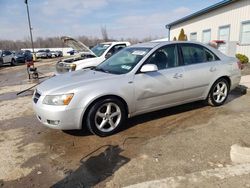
<point>37,95</point>
<point>60,68</point>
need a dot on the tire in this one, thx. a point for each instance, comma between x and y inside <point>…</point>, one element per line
<point>105,113</point>
<point>35,75</point>
<point>13,62</point>
<point>218,93</point>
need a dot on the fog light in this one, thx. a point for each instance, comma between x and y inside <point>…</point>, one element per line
<point>53,122</point>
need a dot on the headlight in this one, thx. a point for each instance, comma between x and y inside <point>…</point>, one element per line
<point>58,100</point>
<point>73,66</point>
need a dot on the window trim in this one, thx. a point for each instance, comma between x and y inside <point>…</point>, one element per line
<point>222,27</point>
<point>192,34</point>
<point>181,58</point>
<point>203,31</point>
<point>241,30</point>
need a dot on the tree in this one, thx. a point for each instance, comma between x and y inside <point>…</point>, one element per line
<point>182,36</point>
<point>104,33</point>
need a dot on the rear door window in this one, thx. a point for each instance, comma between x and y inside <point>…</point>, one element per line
<point>194,54</point>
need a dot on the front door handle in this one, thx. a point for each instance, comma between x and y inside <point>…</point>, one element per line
<point>212,69</point>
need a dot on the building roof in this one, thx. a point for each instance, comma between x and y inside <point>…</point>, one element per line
<point>201,12</point>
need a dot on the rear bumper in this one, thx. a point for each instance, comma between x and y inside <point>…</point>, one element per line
<point>235,81</point>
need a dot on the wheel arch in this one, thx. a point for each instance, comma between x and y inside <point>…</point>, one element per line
<point>227,78</point>
<point>85,113</point>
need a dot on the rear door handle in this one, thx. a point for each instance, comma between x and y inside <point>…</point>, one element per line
<point>212,69</point>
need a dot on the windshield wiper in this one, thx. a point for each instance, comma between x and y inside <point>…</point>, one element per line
<point>100,69</point>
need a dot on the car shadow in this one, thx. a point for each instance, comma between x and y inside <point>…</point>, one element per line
<point>94,169</point>
<point>234,94</point>
<point>78,133</point>
<point>163,113</point>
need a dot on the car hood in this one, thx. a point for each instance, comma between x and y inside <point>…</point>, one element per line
<point>71,81</point>
<point>76,45</point>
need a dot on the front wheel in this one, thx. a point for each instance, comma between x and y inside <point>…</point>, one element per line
<point>218,93</point>
<point>13,62</point>
<point>106,117</point>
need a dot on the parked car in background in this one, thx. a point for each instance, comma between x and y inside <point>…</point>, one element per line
<point>23,56</point>
<point>43,54</point>
<point>87,57</point>
<point>139,79</point>
<point>54,54</point>
<point>7,57</point>
<point>72,52</point>
<point>48,53</point>
<point>60,53</point>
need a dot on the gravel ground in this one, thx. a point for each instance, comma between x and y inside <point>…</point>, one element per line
<point>179,143</point>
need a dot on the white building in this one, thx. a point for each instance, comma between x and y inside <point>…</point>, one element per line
<point>228,20</point>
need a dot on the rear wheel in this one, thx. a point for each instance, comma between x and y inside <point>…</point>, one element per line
<point>218,93</point>
<point>106,117</point>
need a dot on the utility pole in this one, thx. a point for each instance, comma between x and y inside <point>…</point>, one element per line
<point>168,27</point>
<point>31,37</point>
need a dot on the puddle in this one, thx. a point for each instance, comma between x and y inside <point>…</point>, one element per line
<point>95,169</point>
<point>13,95</point>
<point>8,96</point>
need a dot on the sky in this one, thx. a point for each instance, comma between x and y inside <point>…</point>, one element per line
<point>122,18</point>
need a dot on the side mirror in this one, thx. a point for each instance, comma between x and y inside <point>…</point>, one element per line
<point>108,55</point>
<point>149,68</point>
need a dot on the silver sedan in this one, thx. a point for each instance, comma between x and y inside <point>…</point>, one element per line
<point>138,79</point>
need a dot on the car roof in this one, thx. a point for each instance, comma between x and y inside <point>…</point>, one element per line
<point>153,44</point>
<point>115,42</point>
<point>147,44</point>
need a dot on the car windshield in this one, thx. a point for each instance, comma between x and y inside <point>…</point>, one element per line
<point>99,49</point>
<point>41,50</point>
<point>123,61</point>
<point>20,53</point>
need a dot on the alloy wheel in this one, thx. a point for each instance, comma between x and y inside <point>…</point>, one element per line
<point>220,92</point>
<point>108,117</point>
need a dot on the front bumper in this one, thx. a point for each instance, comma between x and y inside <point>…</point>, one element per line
<point>66,118</point>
